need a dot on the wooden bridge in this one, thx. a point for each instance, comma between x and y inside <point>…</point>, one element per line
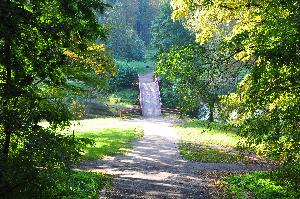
<point>149,98</point>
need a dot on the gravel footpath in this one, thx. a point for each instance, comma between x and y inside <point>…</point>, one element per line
<point>155,169</point>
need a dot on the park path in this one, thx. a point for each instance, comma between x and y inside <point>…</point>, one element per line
<point>155,169</point>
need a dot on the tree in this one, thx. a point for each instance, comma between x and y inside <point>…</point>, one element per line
<point>130,22</point>
<point>267,32</point>
<point>43,46</point>
<point>124,40</point>
<point>167,33</point>
<point>199,76</point>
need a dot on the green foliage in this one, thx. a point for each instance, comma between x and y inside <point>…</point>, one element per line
<point>40,59</point>
<point>64,184</point>
<point>259,185</point>
<point>167,33</point>
<point>126,44</point>
<point>125,97</point>
<point>109,142</point>
<point>130,21</point>
<point>139,66</point>
<point>76,184</point>
<point>168,94</point>
<point>265,33</point>
<point>38,153</point>
<point>195,77</point>
<point>126,77</point>
<point>142,66</point>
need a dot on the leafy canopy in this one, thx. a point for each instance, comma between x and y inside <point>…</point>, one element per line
<point>267,33</point>
<point>45,46</point>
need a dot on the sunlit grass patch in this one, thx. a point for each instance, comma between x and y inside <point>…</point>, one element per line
<point>110,142</point>
<point>259,184</point>
<point>208,142</point>
<point>196,152</point>
<point>202,132</point>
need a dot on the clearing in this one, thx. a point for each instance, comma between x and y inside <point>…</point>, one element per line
<point>155,168</point>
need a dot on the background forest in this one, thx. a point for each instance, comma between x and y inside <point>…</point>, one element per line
<point>235,63</point>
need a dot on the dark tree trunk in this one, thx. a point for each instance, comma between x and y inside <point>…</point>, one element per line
<point>6,144</point>
<point>211,105</point>
<point>211,114</point>
<point>7,97</point>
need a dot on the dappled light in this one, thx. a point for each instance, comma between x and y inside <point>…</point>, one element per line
<point>156,168</point>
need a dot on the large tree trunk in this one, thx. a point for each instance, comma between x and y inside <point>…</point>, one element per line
<point>6,144</point>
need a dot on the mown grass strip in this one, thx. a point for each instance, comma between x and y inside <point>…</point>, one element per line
<point>196,152</point>
<point>208,142</point>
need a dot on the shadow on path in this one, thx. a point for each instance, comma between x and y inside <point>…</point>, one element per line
<point>155,169</point>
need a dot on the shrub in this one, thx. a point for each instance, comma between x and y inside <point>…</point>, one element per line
<point>259,185</point>
<point>126,78</point>
<point>168,94</point>
<point>125,97</point>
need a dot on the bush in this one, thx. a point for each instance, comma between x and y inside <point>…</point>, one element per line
<point>63,184</point>
<point>126,97</point>
<point>34,159</point>
<point>77,184</point>
<point>126,78</point>
<point>168,94</point>
<point>259,185</point>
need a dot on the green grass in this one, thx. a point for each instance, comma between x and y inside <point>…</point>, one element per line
<point>205,142</point>
<point>110,142</point>
<point>77,184</point>
<point>202,132</point>
<point>196,152</point>
<point>258,185</point>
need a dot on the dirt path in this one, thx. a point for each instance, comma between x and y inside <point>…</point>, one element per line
<point>155,169</point>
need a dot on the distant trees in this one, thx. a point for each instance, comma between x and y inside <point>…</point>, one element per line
<point>130,27</point>
<point>46,48</point>
<point>167,33</point>
<point>191,74</point>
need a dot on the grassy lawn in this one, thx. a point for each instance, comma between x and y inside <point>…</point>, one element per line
<point>109,142</point>
<point>206,142</point>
